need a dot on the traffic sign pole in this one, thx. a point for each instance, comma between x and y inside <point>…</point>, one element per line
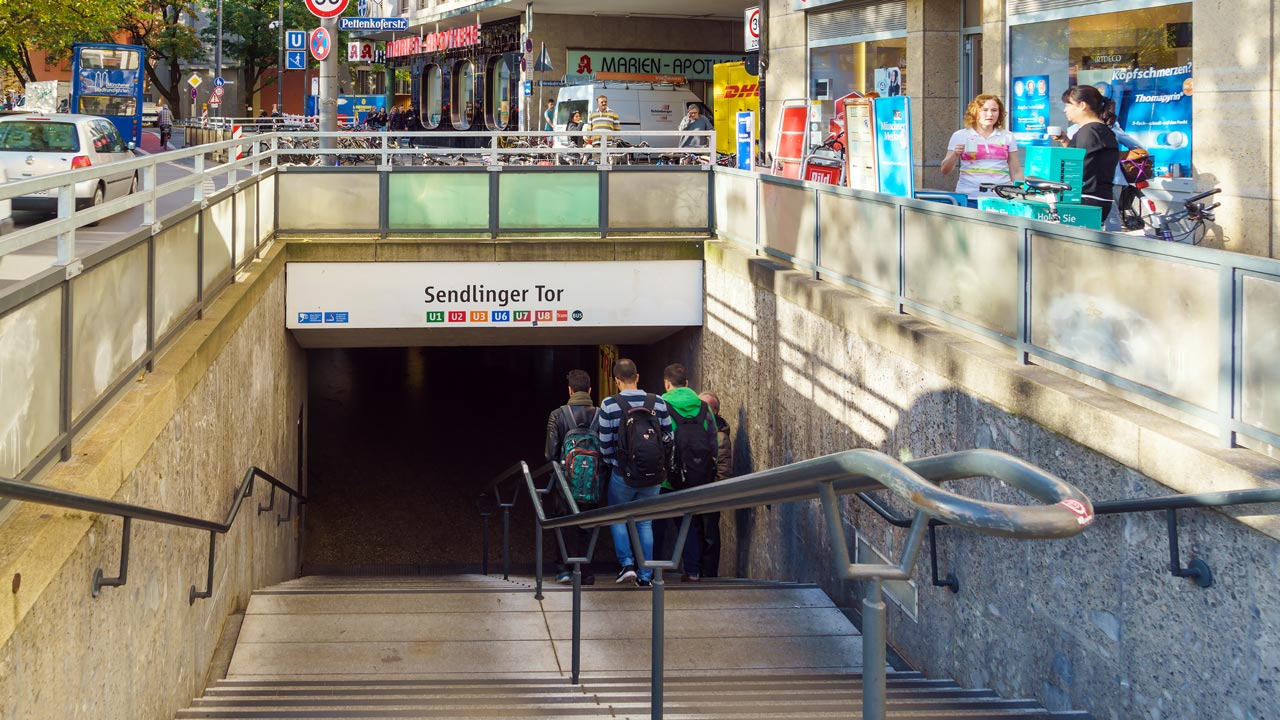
<point>329,87</point>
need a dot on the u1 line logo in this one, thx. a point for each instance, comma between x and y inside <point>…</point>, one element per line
<point>435,316</point>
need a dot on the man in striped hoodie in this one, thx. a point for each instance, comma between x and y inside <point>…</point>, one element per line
<point>629,481</point>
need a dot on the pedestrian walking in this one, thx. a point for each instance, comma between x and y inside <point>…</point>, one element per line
<point>635,438</point>
<point>694,455</point>
<point>572,441</point>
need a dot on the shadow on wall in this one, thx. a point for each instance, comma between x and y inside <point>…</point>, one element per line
<point>1085,623</point>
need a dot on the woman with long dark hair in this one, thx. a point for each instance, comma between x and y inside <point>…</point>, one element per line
<point>1086,107</point>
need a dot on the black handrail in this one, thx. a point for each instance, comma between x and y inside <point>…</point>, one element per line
<point>1197,569</point>
<point>27,492</point>
<point>1064,512</point>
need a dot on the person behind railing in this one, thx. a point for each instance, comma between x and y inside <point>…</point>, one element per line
<point>575,125</point>
<point>695,120</point>
<point>602,119</point>
<point>635,438</point>
<point>1085,106</point>
<point>694,462</point>
<point>579,413</point>
<point>985,152</point>
<point>709,523</point>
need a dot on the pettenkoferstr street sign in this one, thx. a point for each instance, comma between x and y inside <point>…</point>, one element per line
<point>326,8</point>
<point>372,24</point>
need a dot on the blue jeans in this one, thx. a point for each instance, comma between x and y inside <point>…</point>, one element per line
<point>620,492</point>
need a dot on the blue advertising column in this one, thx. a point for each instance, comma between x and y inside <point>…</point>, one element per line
<point>1029,110</point>
<point>894,164</point>
<point>746,132</point>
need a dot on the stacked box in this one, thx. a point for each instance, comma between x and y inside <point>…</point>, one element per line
<point>1058,164</point>
<point>1085,216</point>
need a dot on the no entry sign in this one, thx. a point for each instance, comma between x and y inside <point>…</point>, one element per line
<point>326,8</point>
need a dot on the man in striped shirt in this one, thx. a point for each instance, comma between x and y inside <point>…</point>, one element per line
<point>609,423</point>
<point>603,118</point>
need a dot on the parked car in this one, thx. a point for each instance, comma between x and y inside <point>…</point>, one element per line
<point>6,208</point>
<point>150,114</point>
<point>39,145</point>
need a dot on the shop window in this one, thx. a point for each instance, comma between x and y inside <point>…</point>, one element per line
<point>500,96</point>
<point>462,110</point>
<point>1141,59</point>
<point>864,67</point>
<point>431,107</point>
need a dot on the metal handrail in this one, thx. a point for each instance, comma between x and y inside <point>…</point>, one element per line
<point>1067,512</point>
<point>1197,569</point>
<point>27,492</point>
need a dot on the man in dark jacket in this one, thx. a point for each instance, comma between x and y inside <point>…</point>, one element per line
<point>581,412</point>
<point>710,522</point>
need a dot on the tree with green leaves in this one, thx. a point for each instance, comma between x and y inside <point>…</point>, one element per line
<point>52,27</point>
<point>248,39</point>
<point>166,29</point>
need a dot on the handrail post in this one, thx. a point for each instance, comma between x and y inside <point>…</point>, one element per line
<point>576,635</point>
<point>659,632</point>
<point>484,544</point>
<point>874,658</point>
<point>506,542</point>
<point>100,582</point>
<point>537,561</point>
<point>208,592</point>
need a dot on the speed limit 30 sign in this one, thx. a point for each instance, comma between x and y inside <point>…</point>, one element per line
<point>327,8</point>
<point>751,29</point>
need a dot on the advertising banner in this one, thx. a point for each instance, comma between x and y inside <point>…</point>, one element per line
<point>359,106</point>
<point>109,82</point>
<point>583,64</point>
<point>893,145</point>
<point>494,294</point>
<point>1154,106</point>
<point>746,139</point>
<point>1029,109</point>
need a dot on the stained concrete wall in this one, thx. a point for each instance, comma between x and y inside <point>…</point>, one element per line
<point>227,395</point>
<point>804,368</point>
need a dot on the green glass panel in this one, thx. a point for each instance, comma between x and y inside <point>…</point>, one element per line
<point>451,201</point>
<point>551,200</point>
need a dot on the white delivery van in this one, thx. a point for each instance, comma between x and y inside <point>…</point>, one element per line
<point>641,107</point>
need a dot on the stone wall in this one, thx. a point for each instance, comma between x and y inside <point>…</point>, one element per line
<point>804,368</point>
<point>225,396</point>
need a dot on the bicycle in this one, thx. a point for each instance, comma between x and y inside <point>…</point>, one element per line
<point>1051,192</point>
<point>1181,225</point>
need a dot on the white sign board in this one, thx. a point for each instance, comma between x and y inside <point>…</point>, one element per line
<point>655,293</point>
<point>751,29</point>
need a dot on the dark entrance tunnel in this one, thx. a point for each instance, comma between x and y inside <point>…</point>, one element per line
<point>401,439</point>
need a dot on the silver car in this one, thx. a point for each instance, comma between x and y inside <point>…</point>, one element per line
<point>38,145</point>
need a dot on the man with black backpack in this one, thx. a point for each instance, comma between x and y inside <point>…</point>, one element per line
<point>572,442</point>
<point>694,454</point>
<point>635,437</point>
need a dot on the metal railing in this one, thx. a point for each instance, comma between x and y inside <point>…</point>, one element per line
<point>1066,512</point>
<point>1112,307</point>
<point>28,492</point>
<point>1196,569</point>
<point>87,326</point>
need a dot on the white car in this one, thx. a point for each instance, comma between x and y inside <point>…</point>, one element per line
<point>39,145</point>
<point>6,208</point>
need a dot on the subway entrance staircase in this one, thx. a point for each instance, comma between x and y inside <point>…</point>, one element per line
<point>472,646</point>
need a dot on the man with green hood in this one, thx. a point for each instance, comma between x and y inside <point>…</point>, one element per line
<point>695,453</point>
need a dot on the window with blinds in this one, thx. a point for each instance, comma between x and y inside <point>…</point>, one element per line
<point>1022,7</point>
<point>857,21</point>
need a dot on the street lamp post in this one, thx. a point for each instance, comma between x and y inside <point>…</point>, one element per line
<point>280,65</point>
<point>217,58</point>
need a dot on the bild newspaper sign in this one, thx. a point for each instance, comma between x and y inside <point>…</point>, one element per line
<point>657,293</point>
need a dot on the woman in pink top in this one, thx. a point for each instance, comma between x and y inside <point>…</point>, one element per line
<point>984,150</point>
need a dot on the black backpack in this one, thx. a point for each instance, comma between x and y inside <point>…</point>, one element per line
<point>643,452</point>
<point>695,449</point>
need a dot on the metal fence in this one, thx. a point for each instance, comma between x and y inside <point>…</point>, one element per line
<point>1193,331</point>
<point>74,334</point>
